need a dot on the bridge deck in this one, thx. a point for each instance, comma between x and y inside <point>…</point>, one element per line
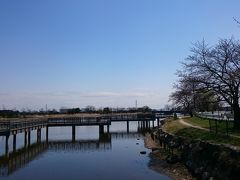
<point>77,122</point>
<point>14,126</point>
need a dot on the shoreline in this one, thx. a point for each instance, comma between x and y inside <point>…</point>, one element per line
<point>158,161</point>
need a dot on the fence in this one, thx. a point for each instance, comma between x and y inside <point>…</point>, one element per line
<point>218,122</point>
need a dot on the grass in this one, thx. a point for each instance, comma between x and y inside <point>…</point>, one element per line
<point>197,122</point>
<point>206,123</point>
<point>189,133</point>
<point>172,126</point>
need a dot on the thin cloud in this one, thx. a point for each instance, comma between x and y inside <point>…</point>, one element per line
<point>57,99</point>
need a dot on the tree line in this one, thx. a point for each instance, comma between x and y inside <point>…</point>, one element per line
<point>87,109</point>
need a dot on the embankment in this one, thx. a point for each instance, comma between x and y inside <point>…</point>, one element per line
<point>205,160</point>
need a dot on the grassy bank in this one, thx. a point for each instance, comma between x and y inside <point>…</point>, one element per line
<point>222,127</point>
<point>190,133</point>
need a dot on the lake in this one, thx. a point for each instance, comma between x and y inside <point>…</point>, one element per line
<point>114,155</point>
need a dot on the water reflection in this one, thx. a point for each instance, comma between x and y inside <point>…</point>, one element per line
<point>20,157</point>
<point>100,156</point>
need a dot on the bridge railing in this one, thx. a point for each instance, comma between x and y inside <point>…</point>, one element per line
<point>219,117</point>
<point>80,120</point>
<point>159,115</point>
<point>7,125</point>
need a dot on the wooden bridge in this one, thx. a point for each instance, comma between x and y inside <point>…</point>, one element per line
<point>14,126</point>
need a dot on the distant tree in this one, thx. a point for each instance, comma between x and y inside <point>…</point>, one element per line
<point>74,110</point>
<point>183,95</point>
<point>9,113</point>
<point>167,107</point>
<point>237,21</point>
<point>107,110</point>
<point>90,109</point>
<point>146,109</point>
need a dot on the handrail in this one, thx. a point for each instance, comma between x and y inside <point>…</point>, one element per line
<point>219,117</point>
<point>24,123</point>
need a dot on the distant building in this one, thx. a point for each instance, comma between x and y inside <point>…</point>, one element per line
<point>63,110</point>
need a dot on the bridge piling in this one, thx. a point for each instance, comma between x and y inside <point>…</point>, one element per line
<point>39,135</point>
<point>107,128</point>
<point>146,124</point>
<point>46,133</point>
<point>101,129</point>
<point>127,126</point>
<point>25,139</point>
<point>29,137</point>
<point>73,133</point>
<point>14,142</point>
<point>6,145</point>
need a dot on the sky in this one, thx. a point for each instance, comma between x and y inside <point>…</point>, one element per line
<point>74,53</point>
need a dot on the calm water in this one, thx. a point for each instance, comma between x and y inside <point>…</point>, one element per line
<point>114,155</point>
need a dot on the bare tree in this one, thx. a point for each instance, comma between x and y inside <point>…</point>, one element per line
<point>237,21</point>
<point>183,96</point>
<point>217,69</point>
<point>191,97</point>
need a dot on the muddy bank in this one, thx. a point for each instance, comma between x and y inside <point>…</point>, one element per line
<point>158,162</point>
<point>204,160</point>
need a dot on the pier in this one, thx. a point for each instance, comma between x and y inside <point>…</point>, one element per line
<point>16,158</point>
<point>11,127</point>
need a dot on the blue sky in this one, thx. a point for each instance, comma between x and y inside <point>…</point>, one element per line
<point>73,53</point>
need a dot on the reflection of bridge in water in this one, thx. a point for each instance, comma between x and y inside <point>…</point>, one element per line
<point>21,157</point>
<point>13,127</point>
<point>125,135</point>
<point>18,158</point>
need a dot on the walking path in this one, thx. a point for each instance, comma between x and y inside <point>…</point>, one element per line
<point>199,127</point>
<point>190,125</point>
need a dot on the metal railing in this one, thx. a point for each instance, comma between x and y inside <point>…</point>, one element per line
<point>214,116</point>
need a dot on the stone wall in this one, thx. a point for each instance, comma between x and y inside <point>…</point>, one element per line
<point>203,159</point>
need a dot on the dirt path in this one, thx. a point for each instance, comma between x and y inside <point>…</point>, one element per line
<point>199,127</point>
<point>190,125</point>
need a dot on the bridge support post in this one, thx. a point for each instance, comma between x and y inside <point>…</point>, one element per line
<point>46,133</point>
<point>73,133</point>
<point>14,142</point>
<point>153,123</point>
<point>143,124</point>
<point>146,124</point>
<point>39,135</point>
<point>29,137</point>
<point>101,129</point>
<point>158,122</point>
<point>6,145</point>
<point>25,139</point>
<point>107,128</point>
<point>127,126</point>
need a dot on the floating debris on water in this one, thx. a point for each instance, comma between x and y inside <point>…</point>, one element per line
<point>143,152</point>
